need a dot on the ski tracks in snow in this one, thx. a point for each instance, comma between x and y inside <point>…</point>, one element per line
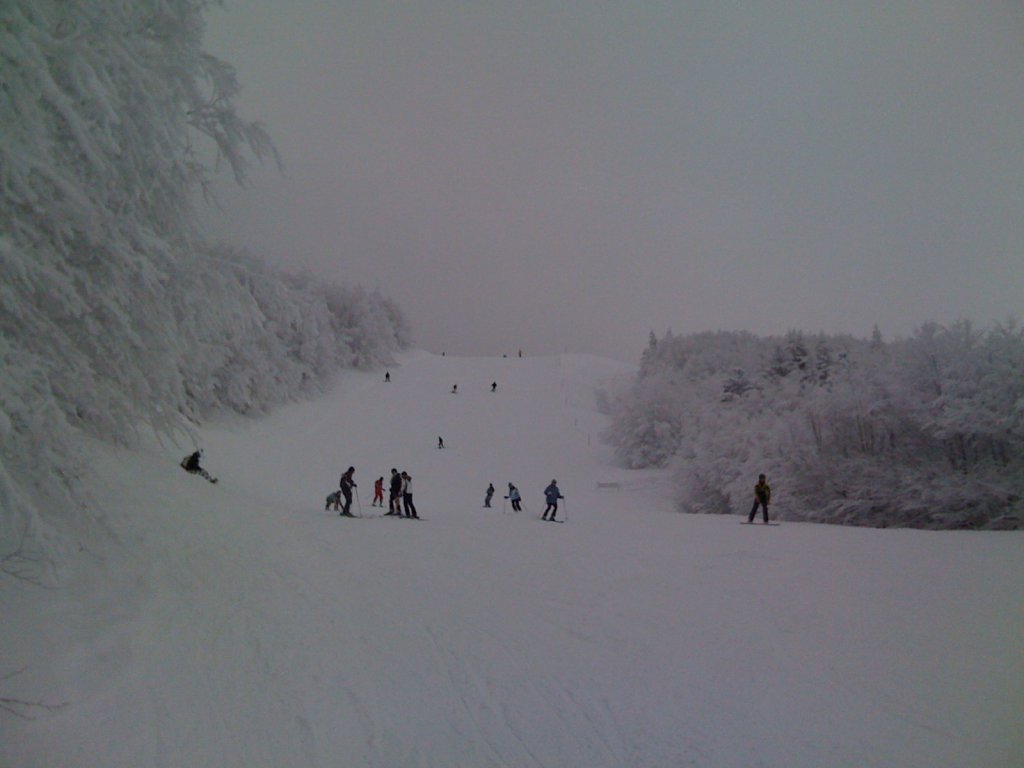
<point>518,718</point>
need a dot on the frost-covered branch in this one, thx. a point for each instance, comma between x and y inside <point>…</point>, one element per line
<point>22,708</point>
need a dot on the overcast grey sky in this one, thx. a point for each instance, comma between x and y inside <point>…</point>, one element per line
<point>560,176</point>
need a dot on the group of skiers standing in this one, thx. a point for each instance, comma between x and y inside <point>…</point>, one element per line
<point>551,496</point>
<point>400,495</point>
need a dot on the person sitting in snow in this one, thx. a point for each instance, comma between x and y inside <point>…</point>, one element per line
<point>191,464</point>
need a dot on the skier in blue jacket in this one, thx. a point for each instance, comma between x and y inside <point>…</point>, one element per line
<point>552,495</point>
<point>514,497</point>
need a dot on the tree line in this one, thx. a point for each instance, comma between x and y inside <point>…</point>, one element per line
<point>926,431</point>
<point>115,314</point>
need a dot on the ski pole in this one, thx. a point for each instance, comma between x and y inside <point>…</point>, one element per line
<point>359,504</point>
<point>565,506</point>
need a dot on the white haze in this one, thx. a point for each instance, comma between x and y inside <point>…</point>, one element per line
<point>567,176</point>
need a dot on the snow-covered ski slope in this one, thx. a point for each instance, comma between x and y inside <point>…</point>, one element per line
<point>240,624</point>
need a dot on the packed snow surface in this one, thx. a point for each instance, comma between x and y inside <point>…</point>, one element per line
<point>241,624</point>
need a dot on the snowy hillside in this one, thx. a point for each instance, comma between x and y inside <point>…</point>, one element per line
<point>239,624</point>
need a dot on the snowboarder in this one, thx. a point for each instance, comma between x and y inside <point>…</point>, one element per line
<point>490,493</point>
<point>762,495</point>
<point>410,508</point>
<point>514,497</point>
<point>191,464</point>
<point>378,492</point>
<point>552,495</point>
<point>347,484</point>
<point>395,494</point>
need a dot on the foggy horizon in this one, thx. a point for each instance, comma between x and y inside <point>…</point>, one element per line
<point>569,177</point>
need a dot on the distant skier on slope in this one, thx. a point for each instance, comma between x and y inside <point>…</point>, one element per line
<point>514,497</point>
<point>762,495</point>
<point>347,484</point>
<point>490,494</point>
<point>378,492</point>
<point>191,464</point>
<point>552,495</point>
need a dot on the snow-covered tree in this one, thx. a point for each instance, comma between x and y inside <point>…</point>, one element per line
<point>928,431</point>
<point>113,312</point>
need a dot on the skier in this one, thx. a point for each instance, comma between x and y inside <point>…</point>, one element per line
<point>455,389</point>
<point>494,386</point>
<point>191,464</point>
<point>378,492</point>
<point>333,500</point>
<point>347,484</point>
<point>762,495</point>
<point>395,493</point>
<point>490,493</point>
<point>410,508</point>
<point>552,495</point>
<point>440,442</point>
<point>387,376</point>
<point>514,497</point>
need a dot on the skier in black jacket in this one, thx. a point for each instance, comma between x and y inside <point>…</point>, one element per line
<point>347,484</point>
<point>762,495</point>
<point>395,494</point>
<point>552,495</point>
